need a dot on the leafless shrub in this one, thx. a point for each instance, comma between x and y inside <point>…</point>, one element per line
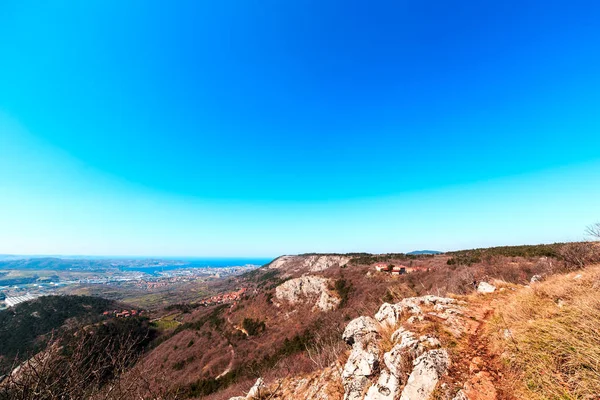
<point>460,281</point>
<point>579,254</point>
<point>326,348</point>
<point>91,366</point>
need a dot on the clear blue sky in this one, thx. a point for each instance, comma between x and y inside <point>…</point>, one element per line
<point>240,128</point>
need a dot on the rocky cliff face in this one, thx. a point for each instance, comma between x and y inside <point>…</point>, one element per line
<point>308,290</point>
<point>309,263</point>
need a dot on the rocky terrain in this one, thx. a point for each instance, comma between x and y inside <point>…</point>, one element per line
<point>308,263</point>
<point>462,326</point>
<point>394,354</point>
<point>460,347</point>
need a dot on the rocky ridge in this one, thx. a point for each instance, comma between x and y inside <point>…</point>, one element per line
<point>310,263</point>
<point>399,353</point>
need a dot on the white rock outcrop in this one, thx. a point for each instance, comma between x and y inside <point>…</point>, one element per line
<point>427,371</point>
<point>485,288</point>
<point>363,362</point>
<point>410,370</point>
<point>320,263</point>
<point>386,388</point>
<point>256,392</point>
<point>309,263</point>
<point>390,314</point>
<point>308,289</point>
<point>358,328</point>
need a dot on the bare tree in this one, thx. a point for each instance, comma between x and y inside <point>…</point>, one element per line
<point>86,366</point>
<point>593,231</point>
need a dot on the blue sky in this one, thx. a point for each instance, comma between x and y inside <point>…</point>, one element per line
<point>238,129</point>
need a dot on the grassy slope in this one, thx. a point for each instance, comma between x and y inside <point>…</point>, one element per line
<point>550,334</point>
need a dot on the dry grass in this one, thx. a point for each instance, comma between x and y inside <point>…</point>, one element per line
<point>385,331</point>
<point>551,336</point>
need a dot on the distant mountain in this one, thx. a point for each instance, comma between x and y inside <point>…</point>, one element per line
<point>422,252</point>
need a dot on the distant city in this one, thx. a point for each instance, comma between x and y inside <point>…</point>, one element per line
<point>24,278</point>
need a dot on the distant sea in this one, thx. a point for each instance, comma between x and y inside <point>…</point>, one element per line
<point>186,263</point>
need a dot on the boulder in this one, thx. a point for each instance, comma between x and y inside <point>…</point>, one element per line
<point>387,314</point>
<point>485,287</point>
<point>390,314</point>
<point>359,328</point>
<point>536,278</point>
<point>257,390</point>
<point>363,360</point>
<point>427,371</point>
<point>386,388</point>
<point>431,299</point>
<point>402,335</point>
<point>400,358</point>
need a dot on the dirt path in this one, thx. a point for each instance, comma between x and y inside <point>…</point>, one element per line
<point>475,364</point>
<point>230,365</point>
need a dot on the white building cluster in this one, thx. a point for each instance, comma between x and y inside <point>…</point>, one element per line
<point>13,301</point>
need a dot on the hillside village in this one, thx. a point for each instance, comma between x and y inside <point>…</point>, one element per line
<point>398,269</point>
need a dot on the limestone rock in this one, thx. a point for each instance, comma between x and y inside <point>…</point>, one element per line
<point>386,388</point>
<point>307,263</point>
<point>402,335</point>
<point>390,314</point>
<point>308,289</point>
<point>256,390</point>
<point>320,263</point>
<point>485,287</point>
<point>400,358</point>
<point>359,328</point>
<point>363,360</point>
<point>427,371</point>
<point>536,278</point>
<point>354,387</point>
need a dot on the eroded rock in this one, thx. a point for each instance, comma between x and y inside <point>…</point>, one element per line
<point>427,371</point>
<point>308,263</point>
<point>308,289</point>
<point>386,388</point>
<point>359,328</point>
<point>257,390</point>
